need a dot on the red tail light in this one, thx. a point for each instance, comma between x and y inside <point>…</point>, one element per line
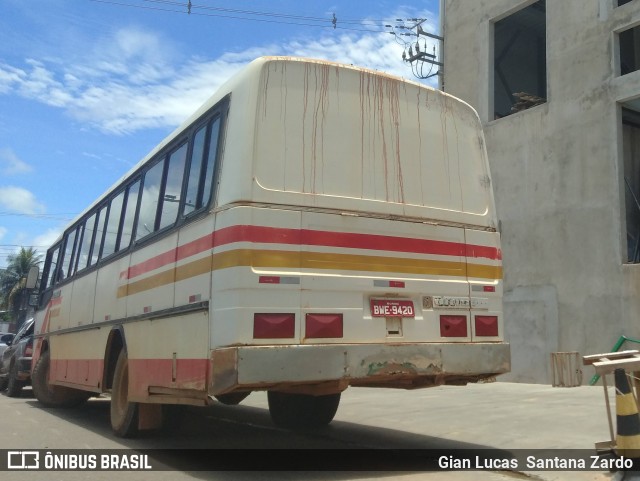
<point>274,326</point>
<point>28,349</point>
<point>319,326</point>
<point>486,326</point>
<point>453,326</point>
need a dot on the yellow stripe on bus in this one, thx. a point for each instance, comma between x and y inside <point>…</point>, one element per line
<point>311,260</point>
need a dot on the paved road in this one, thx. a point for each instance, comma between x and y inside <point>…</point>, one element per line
<point>497,415</point>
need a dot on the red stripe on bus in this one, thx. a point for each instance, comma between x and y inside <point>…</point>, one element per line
<point>190,373</point>
<point>486,252</point>
<point>84,372</point>
<point>276,235</point>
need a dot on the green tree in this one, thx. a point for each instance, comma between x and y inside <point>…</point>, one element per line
<point>13,279</point>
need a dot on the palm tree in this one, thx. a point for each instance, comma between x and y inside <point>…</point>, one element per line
<point>13,279</point>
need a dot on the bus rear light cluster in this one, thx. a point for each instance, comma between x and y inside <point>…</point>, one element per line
<point>453,326</point>
<point>274,326</point>
<point>323,326</point>
<point>486,326</point>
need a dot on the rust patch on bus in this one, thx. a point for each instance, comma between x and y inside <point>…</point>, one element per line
<point>224,370</point>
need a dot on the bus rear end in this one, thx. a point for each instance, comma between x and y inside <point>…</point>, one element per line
<point>362,248</point>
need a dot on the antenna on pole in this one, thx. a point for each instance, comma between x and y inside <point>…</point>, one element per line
<point>421,49</point>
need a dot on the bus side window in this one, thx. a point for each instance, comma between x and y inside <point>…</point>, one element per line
<point>173,187</point>
<point>50,267</point>
<point>73,268</point>
<point>202,167</point>
<point>149,203</point>
<point>210,170</point>
<point>129,214</point>
<point>87,237</point>
<point>97,243</point>
<point>112,226</point>
<point>69,252</point>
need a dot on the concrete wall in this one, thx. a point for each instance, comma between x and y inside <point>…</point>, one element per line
<point>557,172</point>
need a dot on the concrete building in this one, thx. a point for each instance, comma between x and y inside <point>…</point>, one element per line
<point>557,86</point>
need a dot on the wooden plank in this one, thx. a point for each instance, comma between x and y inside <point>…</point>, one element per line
<point>587,360</point>
<point>606,367</point>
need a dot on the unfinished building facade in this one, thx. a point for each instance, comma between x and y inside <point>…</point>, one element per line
<point>557,86</point>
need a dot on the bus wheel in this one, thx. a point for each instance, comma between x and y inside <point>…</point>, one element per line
<point>302,411</point>
<point>50,395</point>
<point>232,398</point>
<point>124,414</point>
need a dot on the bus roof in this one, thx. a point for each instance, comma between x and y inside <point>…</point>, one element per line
<point>247,80</point>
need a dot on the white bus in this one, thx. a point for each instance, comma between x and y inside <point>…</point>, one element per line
<point>313,226</point>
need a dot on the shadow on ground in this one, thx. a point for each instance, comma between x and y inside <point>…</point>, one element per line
<point>243,442</point>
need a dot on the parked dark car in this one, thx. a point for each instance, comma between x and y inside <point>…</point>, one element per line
<point>15,364</point>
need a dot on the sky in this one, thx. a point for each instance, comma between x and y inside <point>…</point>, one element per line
<point>89,87</point>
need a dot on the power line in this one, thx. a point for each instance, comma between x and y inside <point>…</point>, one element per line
<point>281,18</point>
<point>57,216</point>
<point>422,61</point>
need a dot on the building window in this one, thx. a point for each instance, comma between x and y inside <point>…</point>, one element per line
<point>629,50</point>
<point>631,159</point>
<point>623,2</point>
<point>520,60</point>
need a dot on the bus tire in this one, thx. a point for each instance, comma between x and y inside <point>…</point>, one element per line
<point>14,386</point>
<point>302,411</point>
<point>124,414</point>
<point>232,398</point>
<point>51,395</point>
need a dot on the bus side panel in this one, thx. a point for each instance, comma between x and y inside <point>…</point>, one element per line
<point>83,300</point>
<point>193,266</point>
<point>59,308</point>
<point>80,314</point>
<point>110,304</point>
<point>76,359</point>
<point>253,247</point>
<point>170,353</point>
<point>150,279</point>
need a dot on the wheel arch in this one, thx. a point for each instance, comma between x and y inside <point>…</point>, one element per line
<point>115,343</point>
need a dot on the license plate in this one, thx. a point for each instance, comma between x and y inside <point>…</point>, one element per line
<point>392,308</point>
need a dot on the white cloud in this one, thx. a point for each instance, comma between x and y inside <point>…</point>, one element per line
<point>47,238</point>
<point>11,164</point>
<point>3,232</point>
<point>134,80</point>
<point>20,201</point>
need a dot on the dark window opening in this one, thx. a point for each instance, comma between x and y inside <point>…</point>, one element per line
<point>129,215</point>
<point>68,256</point>
<point>623,2</point>
<point>631,159</point>
<point>149,204</point>
<point>87,238</point>
<point>629,50</point>
<point>100,228</point>
<point>172,187</point>
<point>202,168</point>
<point>520,60</point>
<point>50,270</point>
<point>112,227</point>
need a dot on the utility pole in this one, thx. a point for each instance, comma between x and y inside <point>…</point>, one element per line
<point>421,48</point>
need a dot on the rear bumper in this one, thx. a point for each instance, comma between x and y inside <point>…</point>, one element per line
<point>334,367</point>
